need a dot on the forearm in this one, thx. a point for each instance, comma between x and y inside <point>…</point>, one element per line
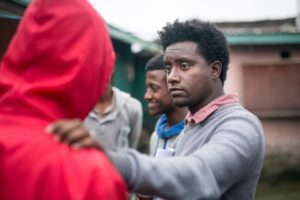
<point>148,175</point>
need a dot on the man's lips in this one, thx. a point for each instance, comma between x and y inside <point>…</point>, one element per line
<point>152,105</point>
<point>175,91</point>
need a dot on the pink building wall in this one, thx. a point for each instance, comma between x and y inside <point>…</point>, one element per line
<point>282,133</point>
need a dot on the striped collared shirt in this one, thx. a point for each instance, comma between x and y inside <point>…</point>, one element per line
<point>204,112</point>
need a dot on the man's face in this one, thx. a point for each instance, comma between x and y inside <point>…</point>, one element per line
<point>157,94</point>
<point>188,75</point>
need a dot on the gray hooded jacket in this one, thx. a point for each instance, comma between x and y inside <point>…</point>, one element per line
<point>121,127</point>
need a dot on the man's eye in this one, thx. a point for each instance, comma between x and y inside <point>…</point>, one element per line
<point>154,88</point>
<point>184,65</point>
<point>168,68</point>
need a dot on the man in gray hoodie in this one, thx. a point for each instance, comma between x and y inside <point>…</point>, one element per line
<point>116,120</point>
<point>219,155</point>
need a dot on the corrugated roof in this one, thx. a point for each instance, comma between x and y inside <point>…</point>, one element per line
<point>264,32</point>
<point>287,25</point>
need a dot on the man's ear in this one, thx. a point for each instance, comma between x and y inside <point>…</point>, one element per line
<point>216,68</point>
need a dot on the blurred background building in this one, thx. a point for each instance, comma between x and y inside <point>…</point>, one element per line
<point>265,71</point>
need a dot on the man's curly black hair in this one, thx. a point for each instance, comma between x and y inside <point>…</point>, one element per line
<point>212,44</point>
<point>156,62</point>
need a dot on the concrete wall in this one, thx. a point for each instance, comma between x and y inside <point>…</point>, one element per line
<point>282,130</point>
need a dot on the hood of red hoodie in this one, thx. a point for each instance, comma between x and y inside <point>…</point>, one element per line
<point>58,63</point>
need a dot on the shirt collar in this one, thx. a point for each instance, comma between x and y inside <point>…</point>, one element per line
<point>204,112</point>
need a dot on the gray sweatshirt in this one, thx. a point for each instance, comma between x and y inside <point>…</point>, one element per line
<point>219,158</point>
<point>122,126</point>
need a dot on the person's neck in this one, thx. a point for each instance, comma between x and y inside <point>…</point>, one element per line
<point>175,116</point>
<point>105,101</point>
<point>107,96</point>
<point>215,94</point>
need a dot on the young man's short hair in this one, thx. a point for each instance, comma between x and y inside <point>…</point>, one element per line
<point>156,62</point>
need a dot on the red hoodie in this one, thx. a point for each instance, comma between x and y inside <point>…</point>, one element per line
<point>56,66</point>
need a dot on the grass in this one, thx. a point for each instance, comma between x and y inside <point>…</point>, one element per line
<point>279,191</point>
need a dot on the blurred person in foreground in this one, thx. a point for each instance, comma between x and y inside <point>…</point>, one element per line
<point>220,152</point>
<point>56,66</point>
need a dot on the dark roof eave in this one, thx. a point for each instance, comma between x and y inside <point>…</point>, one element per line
<point>23,3</point>
<point>264,39</point>
<point>128,38</point>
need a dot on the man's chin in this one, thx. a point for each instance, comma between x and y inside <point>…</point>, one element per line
<point>180,103</point>
<point>154,112</point>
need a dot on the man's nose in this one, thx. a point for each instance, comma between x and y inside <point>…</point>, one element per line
<point>147,95</point>
<point>173,75</point>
